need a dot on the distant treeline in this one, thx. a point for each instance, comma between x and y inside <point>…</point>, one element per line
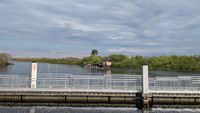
<point>173,63</point>
<point>68,60</point>
<point>4,57</point>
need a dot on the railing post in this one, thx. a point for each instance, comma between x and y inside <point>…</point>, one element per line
<point>145,79</point>
<point>144,97</point>
<point>34,75</point>
<point>145,86</point>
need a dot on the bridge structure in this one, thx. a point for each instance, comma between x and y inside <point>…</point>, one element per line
<point>94,90</point>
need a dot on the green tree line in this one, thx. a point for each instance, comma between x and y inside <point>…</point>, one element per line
<point>175,63</point>
<point>67,60</point>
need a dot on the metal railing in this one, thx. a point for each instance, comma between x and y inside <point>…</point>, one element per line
<point>180,83</point>
<point>67,81</point>
<point>115,82</point>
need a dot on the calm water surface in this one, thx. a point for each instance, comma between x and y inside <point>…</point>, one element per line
<point>24,68</point>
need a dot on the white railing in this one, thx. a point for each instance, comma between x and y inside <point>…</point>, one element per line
<point>115,82</point>
<point>67,81</point>
<point>180,83</point>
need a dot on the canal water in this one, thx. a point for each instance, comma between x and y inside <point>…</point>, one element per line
<point>24,68</point>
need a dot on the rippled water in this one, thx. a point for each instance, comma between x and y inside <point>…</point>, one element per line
<point>90,110</point>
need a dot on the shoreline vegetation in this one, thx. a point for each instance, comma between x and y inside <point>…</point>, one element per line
<point>4,57</point>
<point>166,63</point>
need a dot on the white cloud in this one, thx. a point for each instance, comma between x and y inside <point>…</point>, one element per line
<point>123,36</point>
<point>154,51</point>
<point>150,33</point>
<point>118,37</point>
<point>122,50</point>
<point>63,23</point>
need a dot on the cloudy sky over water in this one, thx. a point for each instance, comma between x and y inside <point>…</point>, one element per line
<point>57,28</point>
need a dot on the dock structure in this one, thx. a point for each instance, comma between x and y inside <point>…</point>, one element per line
<point>117,90</point>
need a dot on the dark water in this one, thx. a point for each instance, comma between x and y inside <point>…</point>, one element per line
<point>24,68</point>
<point>90,110</point>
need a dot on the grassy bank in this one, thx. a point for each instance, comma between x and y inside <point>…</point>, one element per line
<point>69,61</point>
<point>172,63</point>
<point>4,57</point>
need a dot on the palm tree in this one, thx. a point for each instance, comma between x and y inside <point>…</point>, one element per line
<point>94,52</point>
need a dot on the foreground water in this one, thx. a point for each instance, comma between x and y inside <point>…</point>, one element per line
<point>90,110</point>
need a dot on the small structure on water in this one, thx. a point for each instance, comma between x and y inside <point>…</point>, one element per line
<point>106,64</point>
<point>93,66</point>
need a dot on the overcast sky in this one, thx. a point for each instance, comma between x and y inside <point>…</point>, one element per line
<point>57,28</point>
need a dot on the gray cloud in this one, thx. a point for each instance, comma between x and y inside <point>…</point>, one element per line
<point>148,27</point>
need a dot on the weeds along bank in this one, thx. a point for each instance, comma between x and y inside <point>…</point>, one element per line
<point>176,63</point>
<point>4,58</point>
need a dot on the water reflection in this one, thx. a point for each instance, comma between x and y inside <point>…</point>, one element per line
<point>126,71</point>
<point>18,68</point>
<point>24,68</point>
<point>4,69</point>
